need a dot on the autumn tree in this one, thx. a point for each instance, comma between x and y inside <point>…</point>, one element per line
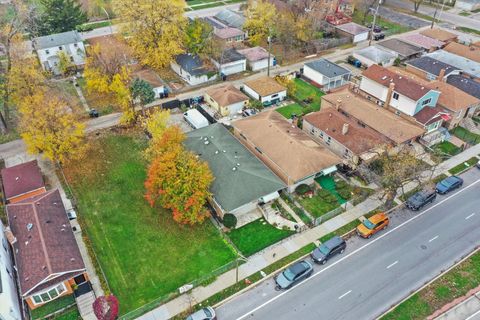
<point>155,29</point>
<point>260,20</point>
<point>106,307</point>
<point>65,65</point>
<point>198,37</point>
<point>60,16</point>
<point>156,123</point>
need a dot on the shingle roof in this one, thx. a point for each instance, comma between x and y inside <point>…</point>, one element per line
<point>327,68</point>
<point>226,95</point>
<point>469,52</point>
<point>452,97</point>
<point>422,41</point>
<point>432,66</point>
<point>222,30</point>
<point>465,84</point>
<point>466,65</point>
<point>192,64</point>
<point>403,85</point>
<point>45,245</point>
<point>428,115</point>
<point>231,55</point>
<point>358,139</point>
<point>255,53</point>
<point>21,179</point>
<point>439,34</point>
<point>287,146</point>
<point>381,120</point>
<point>231,188</point>
<point>265,86</point>
<point>231,18</point>
<point>403,48</point>
<point>149,76</point>
<point>57,39</point>
<point>375,54</point>
<point>352,28</point>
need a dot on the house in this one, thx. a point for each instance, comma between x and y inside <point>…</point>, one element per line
<point>284,148</point>
<point>152,78</point>
<point>242,181</point>
<point>22,181</point>
<point>225,32</point>
<point>375,55</point>
<point>430,69</point>
<point>9,303</point>
<point>192,69</point>
<point>226,100</point>
<point>47,258</point>
<point>326,74</point>
<point>402,49</point>
<point>49,47</point>
<point>345,136</point>
<point>266,90</point>
<point>467,66</point>
<point>403,95</point>
<point>354,31</point>
<point>231,18</point>
<point>257,58</point>
<point>230,62</point>
<point>440,34</point>
<point>465,84</point>
<point>469,52</point>
<point>427,43</point>
<point>457,103</point>
<point>467,5</point>
<point>397,129</point>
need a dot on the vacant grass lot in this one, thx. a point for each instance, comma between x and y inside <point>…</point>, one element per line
<point>256,235</point>
<point>143,252</point>
<point>388,27</point>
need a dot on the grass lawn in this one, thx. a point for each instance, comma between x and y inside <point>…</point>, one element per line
<point>143,252</point>
<point>288,111</point>
<point>52,306</point>
<point>465,135</point>
<point>101,103</point>
<point>469,30</point>
<point>455,283</point>
<point>256,235</point>
<point>321,203</point>
<point>305,90</point>
<point>70,314</point>
<point>463,166</point>
<point>388,27</point>
<point>446,147</point>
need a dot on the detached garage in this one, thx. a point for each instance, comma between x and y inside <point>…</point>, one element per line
<point>355,31</point>
<point>257,58</point>
<point>231,62</point>
<point>326,74</point>
<point>265,89</point>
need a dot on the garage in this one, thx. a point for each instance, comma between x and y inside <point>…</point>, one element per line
<point>231,62</point>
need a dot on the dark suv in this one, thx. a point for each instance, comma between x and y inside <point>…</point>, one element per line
<point>328,249</point>
<point>421,198</point>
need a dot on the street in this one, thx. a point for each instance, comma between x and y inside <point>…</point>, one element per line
<point>372,275</point>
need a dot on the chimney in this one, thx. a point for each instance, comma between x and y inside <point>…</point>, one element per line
<point>345,129</point>
<point>391,87</point>
<point>338,104</point>
<point>441,75</point>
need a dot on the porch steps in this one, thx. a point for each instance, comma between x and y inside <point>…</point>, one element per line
<point>85,305</point>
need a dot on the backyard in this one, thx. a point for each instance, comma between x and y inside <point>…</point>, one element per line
<point>143,252</point>
<point>465,135</point>
<point>256,235</point>
<point>389,27</point>
<point>304,92</point>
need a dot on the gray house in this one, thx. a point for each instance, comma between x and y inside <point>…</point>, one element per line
<point>192,69</point>
<point>326,74</point>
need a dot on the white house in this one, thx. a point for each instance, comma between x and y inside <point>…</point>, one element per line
<point>49,47</point>
<point>266,90</point>
<point>355,31</point>
<point>226,100</point>
<point>192,70</point>
<point>230,62</point>
<point>326,74</point>
<point>257,58</point>
<point>152,78</point>
<point>9,301</point>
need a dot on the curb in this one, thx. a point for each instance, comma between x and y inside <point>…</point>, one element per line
<point>477,249</point>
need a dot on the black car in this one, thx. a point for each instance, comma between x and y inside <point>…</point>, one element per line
<point>296,272</point>
<point>448,184</point>
<point>378,36</point>
<point>421,198</point>
<point>326,250</point>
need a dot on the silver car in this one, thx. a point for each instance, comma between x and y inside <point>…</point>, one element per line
<point>296,272</point>
<point>206,313</point>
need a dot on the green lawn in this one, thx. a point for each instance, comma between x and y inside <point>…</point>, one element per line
<point>321,203</point>
<point>305,90</point>
<point>463,166</point>
<point>469,30</point>
<point>53,306</point>
<point>143,252</point>
<point>256,235</point>
<point>446,148</point>
<point>389,27</point>
<point>455,283</point>
<point>288,111</point>
<point>465,135</point>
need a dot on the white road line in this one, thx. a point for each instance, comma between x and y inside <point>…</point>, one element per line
<point>433,239</point>
<point>470,216</point>
<point>392,264</point>
<point>473,315</point>
<point>343,295</point>
<point>248,314</point>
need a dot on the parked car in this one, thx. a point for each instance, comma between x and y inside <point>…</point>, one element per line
<point>478,164</point>
<point>378,36</point>
<point>420,199</point>
<point>203,314</point>
<point>291,275</point>
<point>248,112</point>
<point>354,62</point>
<point>448,184</point>
<point>377,28</point>
<point>326,250</point>
<point>372,225</point>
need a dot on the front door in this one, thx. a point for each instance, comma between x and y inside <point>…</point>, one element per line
<point>466,113</point>
<point>79,279</point>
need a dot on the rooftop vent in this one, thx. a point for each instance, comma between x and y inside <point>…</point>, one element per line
<point>29,226</point>
<point>234,169</point>
<point>17,178</point>
<point>216,152</point>
<point>384,77</point>
<point>206,142</point>
<point>224,151</point>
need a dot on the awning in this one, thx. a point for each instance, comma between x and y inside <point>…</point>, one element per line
<point>329,170</point>
<point>446,116</point>
<point>270,197</point>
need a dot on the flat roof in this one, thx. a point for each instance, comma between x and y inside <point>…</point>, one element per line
<point>327,68</point>
<point>255,53</point>
<point>431,65</point>
<point>353,28</point>
<point>466,65</point>
<point>439,34</point>
<point>422,41</point>
<point>469,52</point>
<point>376,54</point>
<point>265,86</point>
<point>240,177</point>
<point>403,48</point>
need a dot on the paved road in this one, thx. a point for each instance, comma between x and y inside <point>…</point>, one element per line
<point>374,274</point>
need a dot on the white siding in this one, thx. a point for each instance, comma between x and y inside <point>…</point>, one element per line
<point>191,80</point>
<point>260,64</point>
<point>251,92</point>
<point>277,96</point>
<point>158,91</point>
<point>233,67</point>
<point>48,56</point>
<point>235,108</point>
<point>360,37</point>
<point>9,308</point>
<point>373,88</point>
<point>368,62</point>
<point>404,104</point>
<point>314,75</point>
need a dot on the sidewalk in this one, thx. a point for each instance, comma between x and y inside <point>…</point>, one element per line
<point>274,253</point>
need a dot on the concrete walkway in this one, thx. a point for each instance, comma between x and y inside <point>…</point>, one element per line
<point>467,309</point>
<point>278,251</point>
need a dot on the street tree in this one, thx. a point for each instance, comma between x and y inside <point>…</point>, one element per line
<point>156,122</point>
<point>416,5</point>
<point>60,16</point>
<point>142,92</point>
<point>260,20</point>
<point>198,37</point>
<point>155,29</point>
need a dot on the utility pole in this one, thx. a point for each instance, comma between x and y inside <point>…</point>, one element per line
<point>375,12</point>
<point>109,21</point>
<point>269,40</point>
<point>239,257</point>
<point>435,14</point>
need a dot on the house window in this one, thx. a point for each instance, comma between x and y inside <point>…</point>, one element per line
<point>49,295</point>
<point>398,113</point>
<point>431,76</point>
<point>37,299</point>
<point>312,131</point>
<point>433,126</point>
<point>329,139</point>
<point>274,95</point>
<point>321,134</point>
<point>425,102</point>
<point>395,96</point>
<point>60,48</point>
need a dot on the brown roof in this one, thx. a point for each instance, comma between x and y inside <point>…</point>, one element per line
<point>428,115</point>
<point>407,87</point>
<point>265,86</point>
<point>21,179</point>
<point>291,149</point>
<point>453,98</point>
<point>149,76</point>
<point>45,243</point>
<point>472,52</point>
<point>439,34</point>
<point>226,95</point>
<point>358,139</point>
<point>379,119</point>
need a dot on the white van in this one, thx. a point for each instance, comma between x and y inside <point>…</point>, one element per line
<point>195,119</point>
